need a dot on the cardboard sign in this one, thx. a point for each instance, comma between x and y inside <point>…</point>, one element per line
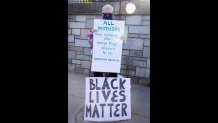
<point>107,45</point>
<point>107,99</point>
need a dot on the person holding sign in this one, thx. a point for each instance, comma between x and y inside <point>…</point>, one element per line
<point>107,14</point>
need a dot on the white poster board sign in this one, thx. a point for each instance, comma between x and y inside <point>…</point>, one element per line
<point>107,99</point>
<point>107,45</point>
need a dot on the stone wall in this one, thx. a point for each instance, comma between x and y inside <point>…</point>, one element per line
<point>136,50</point>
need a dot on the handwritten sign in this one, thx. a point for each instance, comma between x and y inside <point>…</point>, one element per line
<point>107,45</point>
<point>107,99</point>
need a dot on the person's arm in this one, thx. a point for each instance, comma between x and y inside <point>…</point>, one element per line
<point>124,37</point>
<point>90,36</point>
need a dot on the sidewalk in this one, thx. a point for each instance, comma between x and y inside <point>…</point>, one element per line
<point>140,101</point>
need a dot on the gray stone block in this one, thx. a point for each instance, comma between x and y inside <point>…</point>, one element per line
<point>126,29</point>
<point>131,68</point>
<point>83,57</point>
<point>139,63</point>
<point>72,18</point>
<point>71,67</point>
<point>135,53</point>
<point>81,43</point>
<point>133,20</point>
<point>69,61</point>
<point>78,70</point>
<point>146,18</point>
<point>140,72</point>
<point>146,52</point>
<point>90,17</point>
<point>80,18</point>
<point>133,35</point>
<point>134,44</point>
<point>86,64</point>
<point>123,72</point>
<point>79,57</point>
<point>148,63</point>
<point>89,23</point>
<point>139,29</point>
<point>76,61</point>
<point>123,66</point>
<point>116,17</point>
<point>147,73</point>
<point>130,61</point>
<point>77,24</point>
<point>70,38</point>
<point>121,17</point>
<point>147,23</point>
<point>71,54</point>
<point>87,51</point>
<point>84,33</point>
<point>78,65</point>
<point>127,60</point>
<point>144,36</point>
<point>72,47</point>
<point>69,32</point>
<point>125,52</point>
<point>77,36</point>
<point>68,46</point>
<point>139,59</point>
<point>86,58</point>
<point>79,53</point>
<point>147,42</point>
<point>76,31</point>
<point>68,24</point>
<point>130,73</point>
<point>148,36</point>
<point>86,71</point>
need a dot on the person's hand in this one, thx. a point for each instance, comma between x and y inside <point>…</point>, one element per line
<point>90,34</point>
<point>123,37</point>
<point>90,43</point>
<point>93,30</point>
